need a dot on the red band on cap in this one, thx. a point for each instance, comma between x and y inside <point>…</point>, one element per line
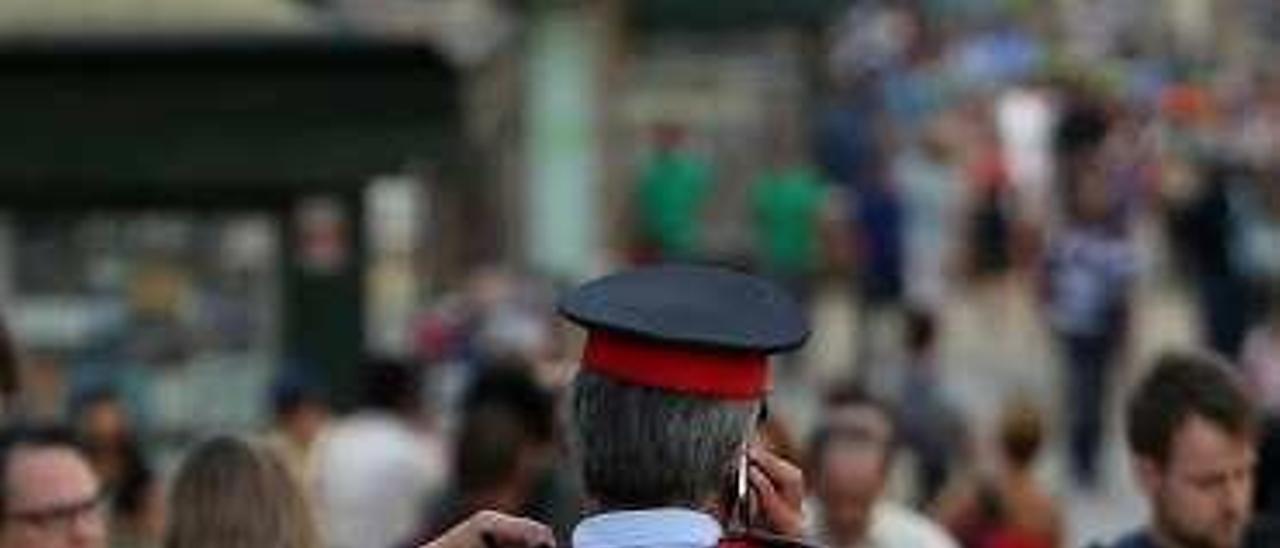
<point>724,374</point>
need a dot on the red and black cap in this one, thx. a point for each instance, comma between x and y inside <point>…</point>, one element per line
<point>690,329</point>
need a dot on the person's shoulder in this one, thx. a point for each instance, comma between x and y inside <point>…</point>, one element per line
<point>894,521</point>
<point>373,434</point>
<point>1133,539</point>
<point>1257,340</point>
<point>1264,532</point>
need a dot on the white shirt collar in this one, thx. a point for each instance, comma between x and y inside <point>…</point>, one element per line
<point>647,528</point>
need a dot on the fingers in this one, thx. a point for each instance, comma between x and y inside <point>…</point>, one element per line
<point>489,529</point>
<point>779,489</point>
<point>782,515</point>
<point>512,532</point>
<point>787,479</point>
<point>768,497</point>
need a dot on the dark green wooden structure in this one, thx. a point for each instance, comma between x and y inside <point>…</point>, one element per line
<point>232,123</point>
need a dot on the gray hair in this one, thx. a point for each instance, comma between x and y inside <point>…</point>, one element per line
<point>644,447</point>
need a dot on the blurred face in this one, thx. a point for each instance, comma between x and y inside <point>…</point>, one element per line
<point>54,501</point>
<point>668,136</point>
<point>1093,197</point>
<point>852,474</point>
<point>308,422</point>
<point>105,422</point>
<point>1202,496</point>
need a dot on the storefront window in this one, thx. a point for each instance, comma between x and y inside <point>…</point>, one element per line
<point>176,312</point>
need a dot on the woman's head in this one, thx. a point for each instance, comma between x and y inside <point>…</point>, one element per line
<point>100,417</point>
<point>230,493</point>
<point>1021,433</point>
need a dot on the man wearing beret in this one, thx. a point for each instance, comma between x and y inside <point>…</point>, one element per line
<point>674,372</point>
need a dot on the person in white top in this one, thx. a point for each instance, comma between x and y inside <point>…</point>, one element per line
<point>376,468</point>
<point>851,455</point>
<point>1260,357</point>
<point>1025,118</point>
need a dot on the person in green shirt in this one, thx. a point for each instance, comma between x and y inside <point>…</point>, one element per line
<point>670,196</point>
<point>787,204</point>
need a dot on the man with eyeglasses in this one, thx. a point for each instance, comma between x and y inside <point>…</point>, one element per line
<point>50,498</point>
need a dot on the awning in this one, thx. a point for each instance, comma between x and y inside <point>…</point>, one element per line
<point>189,116</point>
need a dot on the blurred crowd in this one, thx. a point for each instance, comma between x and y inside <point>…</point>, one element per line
<point>938,164</point>
<point>393,473</point>
<point>990,162</point>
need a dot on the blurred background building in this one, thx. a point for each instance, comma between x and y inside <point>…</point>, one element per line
<point>198,195</point>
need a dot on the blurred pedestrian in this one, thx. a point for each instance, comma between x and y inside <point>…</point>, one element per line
<point>669,198</point>
<point>1024,118</point>
<point>930,424</point>
<point>1260,357</point>
<point>300,416</point>
<point>377,466</point>
<point>931,195</point>
<point>1012,509</point>
<point>1256,249</point>
<point>231,492</point>
<point>51,497</point>
<point>1192,435</point>
<point>504,454</point>
<point>851,455</point>
<point>787,204</point>
<point>877,226</point>
<point>849,145</point>
<point>992,208</point>
<point>103,423</point>
<point>1090,271</point>
<point>851,150</point>
<point>1202,229</point>
<point>665,406</point>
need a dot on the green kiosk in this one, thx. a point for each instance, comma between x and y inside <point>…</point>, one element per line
<point>152,188</point>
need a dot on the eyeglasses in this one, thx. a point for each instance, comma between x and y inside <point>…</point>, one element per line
<point>63,516</point>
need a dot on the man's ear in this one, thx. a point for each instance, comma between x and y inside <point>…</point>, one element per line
<point>1149,474</point>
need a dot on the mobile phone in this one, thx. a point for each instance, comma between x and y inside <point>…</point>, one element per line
<point>738,496</point>
<point>739,502</point>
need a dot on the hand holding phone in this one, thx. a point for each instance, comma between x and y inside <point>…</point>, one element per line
<point>778,488</point>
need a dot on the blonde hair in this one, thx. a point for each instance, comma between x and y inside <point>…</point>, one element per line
<point>231,493</point>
